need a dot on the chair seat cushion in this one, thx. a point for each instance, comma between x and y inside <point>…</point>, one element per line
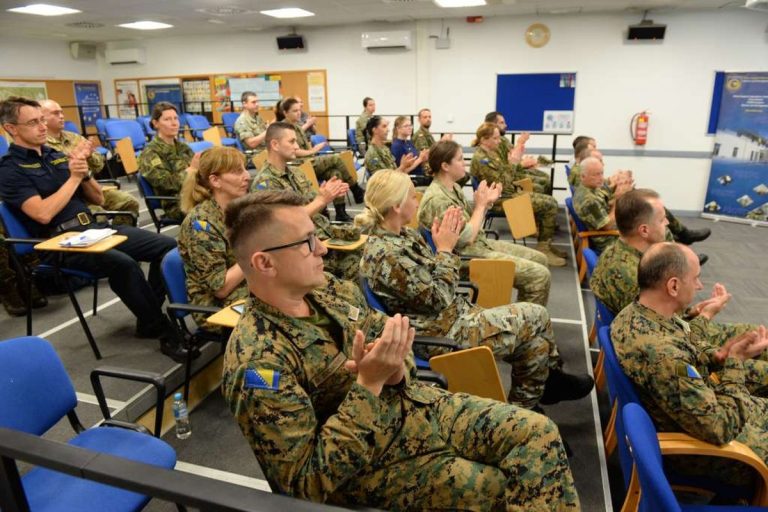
<point>52,491</point>
<point>228,141</point>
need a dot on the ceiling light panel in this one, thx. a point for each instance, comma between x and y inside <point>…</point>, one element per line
<point>288,12</point>
<point>460,3</point>
<point>145,25</point>
<point>44,10</point>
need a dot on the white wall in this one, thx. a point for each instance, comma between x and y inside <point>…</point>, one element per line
<point>43,59</point>
<point>615,79</point>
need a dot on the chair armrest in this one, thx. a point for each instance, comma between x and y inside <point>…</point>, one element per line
<point>22,240</point>
<point>435,378</point>
<point>192,308</point>
<point>492,233</point>
<point>155,379</point>
<point>108,181</point>
<point>111,214</point>
<point>606,232</point>
<point>163,198</point>
<point>473,290</point>
<point>126,425</point>
<point>435,341</point>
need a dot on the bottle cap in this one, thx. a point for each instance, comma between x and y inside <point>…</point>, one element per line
<point>177,396</point>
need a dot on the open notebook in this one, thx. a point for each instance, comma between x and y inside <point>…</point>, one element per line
<point>87,237</point>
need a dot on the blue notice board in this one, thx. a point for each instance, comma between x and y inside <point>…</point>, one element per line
<point>537,102</point>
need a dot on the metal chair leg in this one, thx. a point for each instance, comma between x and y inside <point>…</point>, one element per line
<point>28,304</point>
<point>95,295</point>
<point>80,316</point>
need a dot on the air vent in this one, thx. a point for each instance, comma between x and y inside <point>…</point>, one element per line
<point>224,11</point>
<point>85,24</point>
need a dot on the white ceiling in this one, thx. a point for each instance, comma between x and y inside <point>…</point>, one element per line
<point>191,17</point>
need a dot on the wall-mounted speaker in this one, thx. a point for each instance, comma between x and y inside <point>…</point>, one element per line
<point>82,51</point>
<point>646,31</point>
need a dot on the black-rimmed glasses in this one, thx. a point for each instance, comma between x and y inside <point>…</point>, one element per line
<point>311,242</point>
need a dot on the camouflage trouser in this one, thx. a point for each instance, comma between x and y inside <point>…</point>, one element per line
<point>675,226</point>
<point>519,334</point>
<point>328,166</point>
<point>7,274</point>
<point>532,277</point>
<point>473,454</point>
<point>344,264</point>
<point>118,201</point>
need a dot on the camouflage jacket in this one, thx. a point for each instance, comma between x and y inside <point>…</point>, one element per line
<point>247,126</point>
<point>489,167</point>
<point>422,140</point>
<point>438,198</point>
<point>504,146</point>
<point>680,384</point>
<point>410,279</point>
<point>164,165</point>
<point>614,280</point>
<point>311,426</point>
<point>360,125</point>
<point>207,256</point>
<point>592,207</point>
<point>68,141</point>
<point>574,178</point>
<point>379,157</point>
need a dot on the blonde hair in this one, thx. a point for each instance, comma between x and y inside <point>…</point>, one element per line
<point>483,132</point>
<point>213,162</point>
<point>385,189</point>
<point>398,123</point>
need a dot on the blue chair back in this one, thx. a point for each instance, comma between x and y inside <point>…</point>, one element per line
<point>3,145</point>
<point>623,391</point>
<point>172,268</point>
<point>146,125</point>
<point>198,124</point>
<point>656,493</point>
<point>590,257</point>
<point>35,390</point>
<point>475,182</point>
<point>201,145</point>
<point>371,297</point>
<point>567,171</point>
<point>15,229</point>
<point>71,127</point>
<point>317,139</point>
<point>426,234</point>
<point>147,190</point>
<point>229,118</point>
<point>117,130</point>
<point>572,211</point>
<point>352,140</point>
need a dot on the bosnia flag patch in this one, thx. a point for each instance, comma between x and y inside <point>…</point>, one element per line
<point>261,186</point>
<point>692,371</point>
<point>262,379</point>
<point>485,161</point>
<point>201,225</point>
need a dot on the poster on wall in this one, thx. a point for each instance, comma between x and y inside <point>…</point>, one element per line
<point>316,91</point>
<point>127,94</point>
<point>88,98</point>
<point>197,95</point>
<point>738,178</point>
<point>32,90</point>
<point>267,87</point>
<point>221,93</point>
<point>170,93</point>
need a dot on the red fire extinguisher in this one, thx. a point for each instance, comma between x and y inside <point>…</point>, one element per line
<point>638,128</point>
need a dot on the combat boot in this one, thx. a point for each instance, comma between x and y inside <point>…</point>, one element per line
<point>341,213</point>
<point>688,236</point>
<point>358,193</point>
<point>545,247</point>
<point>565,386</point>
<point>557,251</point>
<point>12,300</point>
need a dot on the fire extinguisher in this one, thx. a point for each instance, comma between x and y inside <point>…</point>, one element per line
<point>638,128</point>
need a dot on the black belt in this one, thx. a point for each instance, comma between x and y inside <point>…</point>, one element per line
<point>81,219</point>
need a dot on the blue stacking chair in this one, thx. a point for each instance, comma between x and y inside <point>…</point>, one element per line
<point>198,124</point>
<point>179,308</point>
<point>119,129</point>
<point>581,236</point>
<point>71,127</point>
<point>146,125</point>
<point>36,393</point>
<point>568,175</point>
<point>317,139</point>
<point>153,204</point>
<point>646,447</point>
<point>22,245</point>
<point>200,145</point>
<point>3,145</point>
<point>229,119</point>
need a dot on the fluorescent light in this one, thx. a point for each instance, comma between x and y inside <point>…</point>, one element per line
<point>288,12</point>
<point>459,3</point>
<point>145,25</point>
<point>44,10</point>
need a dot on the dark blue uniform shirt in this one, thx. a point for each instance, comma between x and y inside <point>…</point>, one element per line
<point>401,147</point>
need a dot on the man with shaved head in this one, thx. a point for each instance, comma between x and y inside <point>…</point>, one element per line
<point>685,381</point>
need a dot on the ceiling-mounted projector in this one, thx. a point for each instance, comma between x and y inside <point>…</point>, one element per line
<point>758,5</point>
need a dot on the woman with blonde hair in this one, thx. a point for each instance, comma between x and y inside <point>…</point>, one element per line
<point>378,156</point>
<point>403,145</point>
<point>213,276</point>
<point>446,160</point>
<point>409,278</point>
<point>488,166</point>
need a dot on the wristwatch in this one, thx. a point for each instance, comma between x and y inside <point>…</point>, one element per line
<point>89,176</point>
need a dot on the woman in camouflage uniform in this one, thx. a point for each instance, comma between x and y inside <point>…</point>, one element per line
<point>379,156</point>
<point>213,276</point>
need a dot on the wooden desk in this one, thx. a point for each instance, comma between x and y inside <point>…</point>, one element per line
<point>226,316</point>
<point>347,247</point>
<point>52,244</point>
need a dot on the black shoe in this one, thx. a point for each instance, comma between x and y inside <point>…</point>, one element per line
<point>568,451</point>
<point>176,352</point>
<point>703,258</point>
<point>689,236</point>
<point>358,193</point>
<point>149,330</point>
<point>564,386</point>
<point>13,303</point>
<point>341,213</point>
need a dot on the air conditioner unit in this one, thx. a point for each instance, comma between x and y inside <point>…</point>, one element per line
<point>758,5</point>
<point>120,56</point>
<point>400,39</point>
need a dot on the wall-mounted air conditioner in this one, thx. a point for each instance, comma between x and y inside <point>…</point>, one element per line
<point>399,39</point>
<point>120,56</point>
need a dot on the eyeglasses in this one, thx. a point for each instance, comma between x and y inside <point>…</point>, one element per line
<point>311,242</point>
<point>32,122</point>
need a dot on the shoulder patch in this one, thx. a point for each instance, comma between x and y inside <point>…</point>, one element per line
<point>262,379</point>
<point>59,161</point>
<point>687,370</point>
<point>30,166</point>
<point>262,185</point>
<point>485,161</point>
<point>156,161</point>
<point>201,225</point>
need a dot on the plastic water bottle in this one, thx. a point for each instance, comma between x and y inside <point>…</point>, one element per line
<point>180,413</point>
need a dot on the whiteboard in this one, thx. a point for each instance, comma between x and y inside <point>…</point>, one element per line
<point>268,90</point>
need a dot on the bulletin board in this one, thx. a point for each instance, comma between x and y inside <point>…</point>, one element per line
<point>537,102</point>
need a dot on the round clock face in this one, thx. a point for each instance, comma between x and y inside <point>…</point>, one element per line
<point>537,35</point>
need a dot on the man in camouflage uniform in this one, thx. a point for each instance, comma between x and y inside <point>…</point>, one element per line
<point>423,138</point>
<point>369,107</point>
<point>250,128</point>
<point>642,223</point>
<point>532,277</point>
<point>333,419</point>
<point>686,384</point>
<point>487,165</point>
<point>277,175</point>
<point>64,141</point>
<point>409,278</point>
<point>526,167</point>
<point>594,206</point>
<point>164,165</point>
